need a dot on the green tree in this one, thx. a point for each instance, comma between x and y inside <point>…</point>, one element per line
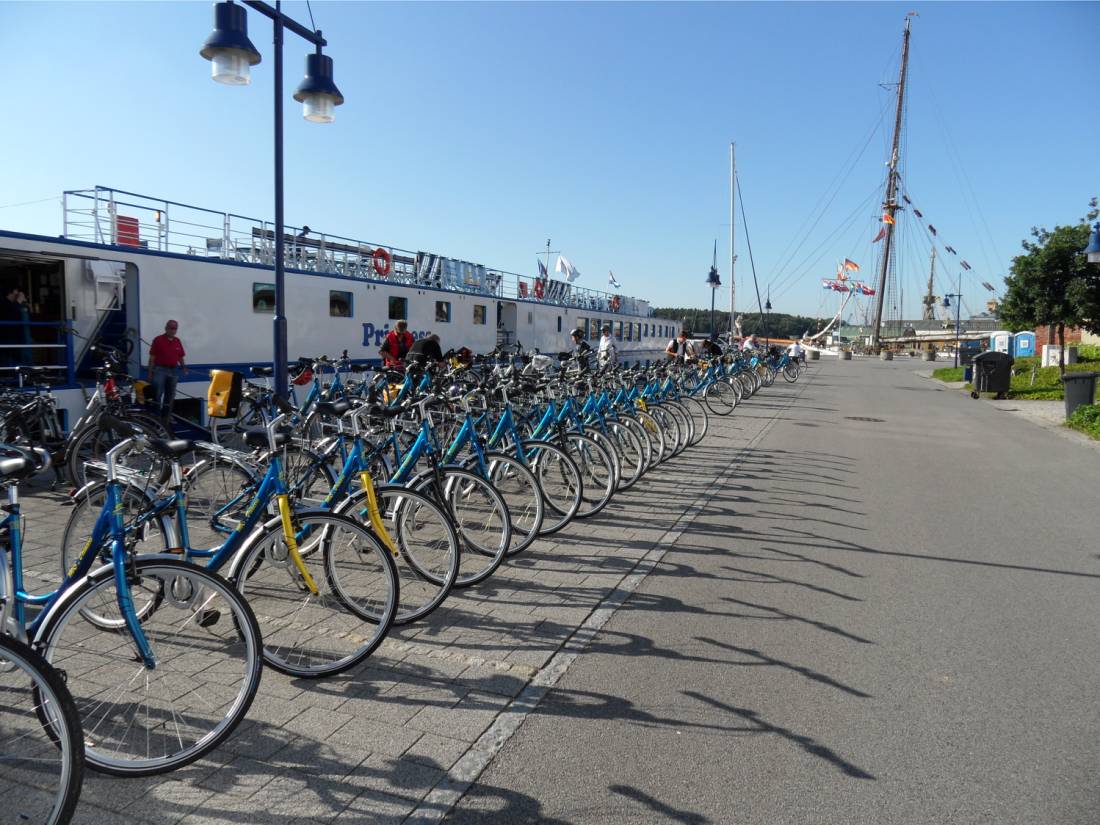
<point>1052,284</point>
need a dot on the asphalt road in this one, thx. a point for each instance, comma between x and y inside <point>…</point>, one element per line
<point>886,614</point>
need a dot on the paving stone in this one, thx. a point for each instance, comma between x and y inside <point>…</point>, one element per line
<point>436,751</point>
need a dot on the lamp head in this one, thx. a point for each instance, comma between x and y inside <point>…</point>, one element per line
<point>228,48</point>
<point>317,92</point>
<point>1093,249</point>
<point>713,281</point>
<point>946,302</point>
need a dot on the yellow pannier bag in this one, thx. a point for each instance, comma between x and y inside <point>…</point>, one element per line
<point>143,392</point>
<point>390,393</point>
<point>223,396</point>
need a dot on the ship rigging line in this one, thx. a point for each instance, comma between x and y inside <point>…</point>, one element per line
<point>748,243</point>
<point>813,258</point>
<point>821,208</point>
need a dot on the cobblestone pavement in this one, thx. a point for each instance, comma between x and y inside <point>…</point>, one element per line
<point>401,737</point>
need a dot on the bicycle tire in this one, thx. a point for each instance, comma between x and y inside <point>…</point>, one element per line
<point>719,398</point>
<point>306,634</point>
<point>700,419</point>
<point>51,715</point>
<point>597,470</point>
<point>483,549</point>
<point>166,728</point>
<point>520,490</point>
<point>427,564</point>
<point>559,481</point>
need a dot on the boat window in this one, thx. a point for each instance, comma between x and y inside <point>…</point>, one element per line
<point>594,329</point>
<point>263,297</point>
<point>530,318</point>
<point>628,332</point>
<point>637,331</point>
<point>619,330</point>
<point>479,314</point>
<point>399,308</point>
<point>559,323</point>
<point>645,330</point>
<point>339,304</point>
<point>582,324</point>
<point>442,312</point>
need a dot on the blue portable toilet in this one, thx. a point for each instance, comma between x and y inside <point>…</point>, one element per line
<point>1023,344</point>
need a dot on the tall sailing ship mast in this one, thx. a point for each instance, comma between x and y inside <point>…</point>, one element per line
<point>890,206</point>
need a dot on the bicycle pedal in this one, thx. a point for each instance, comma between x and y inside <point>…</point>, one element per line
<point>209,618</point>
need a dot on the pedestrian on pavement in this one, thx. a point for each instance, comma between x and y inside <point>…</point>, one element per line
<point>166,365</point>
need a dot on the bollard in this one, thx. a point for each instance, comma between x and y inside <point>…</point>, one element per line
<point>886,355</point>
<point>929,355</point>
<point>815,355</point>
<point>845,355</point>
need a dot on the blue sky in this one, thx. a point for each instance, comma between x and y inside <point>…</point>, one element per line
<point>480,130</point>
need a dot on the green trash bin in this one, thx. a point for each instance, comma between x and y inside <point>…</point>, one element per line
<point>1079,388</point>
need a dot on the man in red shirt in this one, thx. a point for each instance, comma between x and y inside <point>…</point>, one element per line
<point>396,345</point>
<point>165,366</point>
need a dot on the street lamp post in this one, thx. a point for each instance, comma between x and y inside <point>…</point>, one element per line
<point>713,281</point>
<point>958,309</point>
<point>231,54</point>
<point>768,321</point>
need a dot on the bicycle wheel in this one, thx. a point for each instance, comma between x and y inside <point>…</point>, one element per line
<point>309,634</point>
<point>479,515</point>
<point>151,537</point>
<point>559,481</point>
<point>141,721</point>
<point>217,491</point>
<point>90,444</point>
<point>635,426</point>
<point>631,456</point>
<point>428,548</point>
<point>41,740</point>
<point>520,490</point>
<point>700,419</point>
<point>720,398</point>
<point>790,373</point>
<point>670,427</point>
<point>735,385</point>
<point>597,470</point>
<point>683,418</point>
<point>309,476</point>
<point>655,434</point>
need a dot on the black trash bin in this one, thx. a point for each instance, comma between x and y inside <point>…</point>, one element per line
<point>992,373</point>
<point>1080,388</point>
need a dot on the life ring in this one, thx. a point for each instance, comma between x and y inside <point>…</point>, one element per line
<point>382,262</point>
<point>540,288</point>
<point>615,303</point>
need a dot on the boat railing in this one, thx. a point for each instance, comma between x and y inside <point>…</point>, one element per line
<point>126,219</point>
<point>43,344</point>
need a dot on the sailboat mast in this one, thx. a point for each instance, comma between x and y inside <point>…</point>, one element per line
<point>930,299</point>
<point>733,257</point>
<point>890,206</point>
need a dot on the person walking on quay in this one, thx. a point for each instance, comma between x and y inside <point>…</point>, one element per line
<point>166,365</point>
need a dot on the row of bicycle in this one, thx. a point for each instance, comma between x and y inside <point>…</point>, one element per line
<point>187,566</point>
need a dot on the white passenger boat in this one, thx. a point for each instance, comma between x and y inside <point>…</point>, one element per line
<point>126,263</point>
